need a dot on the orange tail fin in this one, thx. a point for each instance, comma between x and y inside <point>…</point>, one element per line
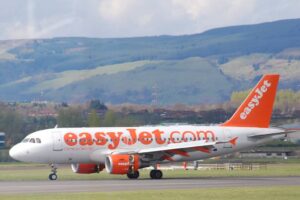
<point>256,110</point>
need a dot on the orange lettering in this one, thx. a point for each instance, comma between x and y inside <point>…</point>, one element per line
<point>115,139</point>
<point>157,134</point>
<point>145,137</point>
<point>172,138</point>
<point>204,134</point>
<point>132,140</point>
<point>190,133</point>
<point>210,133</point>
<point>100,138</point>
<point>85,139</point>
<point>70,139</point>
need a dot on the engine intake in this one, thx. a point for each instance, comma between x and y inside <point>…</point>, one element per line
<point>83,168</point>
<point>122,164</point>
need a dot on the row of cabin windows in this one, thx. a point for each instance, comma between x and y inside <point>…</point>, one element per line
<point>144,139</point>
<point>32,140</point>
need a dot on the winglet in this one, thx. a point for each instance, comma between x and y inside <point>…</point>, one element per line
<point>257,108</point>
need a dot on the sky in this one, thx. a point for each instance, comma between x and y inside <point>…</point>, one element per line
<point>23,19</point>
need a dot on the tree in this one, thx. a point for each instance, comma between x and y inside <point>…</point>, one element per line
<point>109,118</point>
<point>12,124</point>
<point>127,120</point>
<point>97,105</point>
<point>71,117</point>
<point>93,119</point>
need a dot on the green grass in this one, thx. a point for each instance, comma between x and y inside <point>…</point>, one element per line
<point>24,172</point>
<point>245,193</point>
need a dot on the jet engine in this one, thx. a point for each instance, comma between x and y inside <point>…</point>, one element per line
<point>122,164</point>
<point>83,168</point>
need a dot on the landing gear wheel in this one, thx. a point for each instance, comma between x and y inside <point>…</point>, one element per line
<point>52,176</point>
<point>156,174</point>
<point>133,175</point>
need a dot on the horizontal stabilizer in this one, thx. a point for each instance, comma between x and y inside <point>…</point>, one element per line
<point>259,136</point>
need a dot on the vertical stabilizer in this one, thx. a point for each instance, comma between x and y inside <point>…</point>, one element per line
<point>256,110</point>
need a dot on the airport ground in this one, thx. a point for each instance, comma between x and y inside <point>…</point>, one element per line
<point>29,181</point>
<point>39,172</point>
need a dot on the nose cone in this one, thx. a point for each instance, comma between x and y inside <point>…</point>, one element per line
<point>15,152</point>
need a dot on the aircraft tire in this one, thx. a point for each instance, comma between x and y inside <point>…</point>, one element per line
<point>133,175</point>
<point>156,174</point>
<point>52,176</point>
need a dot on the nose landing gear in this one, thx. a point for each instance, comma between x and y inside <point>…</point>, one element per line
<point>53,175</point>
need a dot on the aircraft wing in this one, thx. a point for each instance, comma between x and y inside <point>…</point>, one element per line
<point>178,146</point>
<point>200,145</point>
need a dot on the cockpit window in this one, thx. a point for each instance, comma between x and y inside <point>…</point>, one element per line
<point>32,140</point>
<point>25,140</point>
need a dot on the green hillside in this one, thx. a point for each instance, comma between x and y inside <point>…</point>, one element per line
<point>187,83</point>
<point>199,68</point>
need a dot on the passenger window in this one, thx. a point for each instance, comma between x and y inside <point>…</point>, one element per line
<point>32,140</point>
<point>38,140</point>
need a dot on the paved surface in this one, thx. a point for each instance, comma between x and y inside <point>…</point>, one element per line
<point>17,187</point>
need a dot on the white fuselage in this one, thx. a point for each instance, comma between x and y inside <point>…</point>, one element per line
<point>92,145</point>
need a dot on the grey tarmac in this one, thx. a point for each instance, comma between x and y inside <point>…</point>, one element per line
<point>23,187</point>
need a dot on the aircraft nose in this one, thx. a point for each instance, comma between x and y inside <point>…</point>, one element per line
<point>15,152</point>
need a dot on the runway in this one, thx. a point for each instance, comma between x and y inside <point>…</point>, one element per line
<point>23,187</point>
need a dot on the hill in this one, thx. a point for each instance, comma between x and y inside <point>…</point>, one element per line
<point>199,68</point>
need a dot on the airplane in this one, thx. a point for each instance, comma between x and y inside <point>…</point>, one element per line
<point>125,150</point>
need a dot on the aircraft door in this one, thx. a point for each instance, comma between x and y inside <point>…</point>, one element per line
<point>57,141</point>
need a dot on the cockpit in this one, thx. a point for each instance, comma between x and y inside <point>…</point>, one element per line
<point>31,140</point>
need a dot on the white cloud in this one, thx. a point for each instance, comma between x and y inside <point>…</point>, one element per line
<point>126,18</point>
<point>114,9</point>
<point>193,8</point>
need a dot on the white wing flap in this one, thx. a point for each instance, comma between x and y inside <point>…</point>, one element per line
<point>173,146</point>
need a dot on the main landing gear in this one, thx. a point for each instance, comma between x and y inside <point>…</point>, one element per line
<point>53,175</point>
<point>133,175</point>
<point>156,174</point>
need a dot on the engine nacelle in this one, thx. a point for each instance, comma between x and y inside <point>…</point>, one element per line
<point>122,164</point>
<point>84,168</point>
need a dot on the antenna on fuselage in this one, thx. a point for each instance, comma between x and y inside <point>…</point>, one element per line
<point>56,126</point>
